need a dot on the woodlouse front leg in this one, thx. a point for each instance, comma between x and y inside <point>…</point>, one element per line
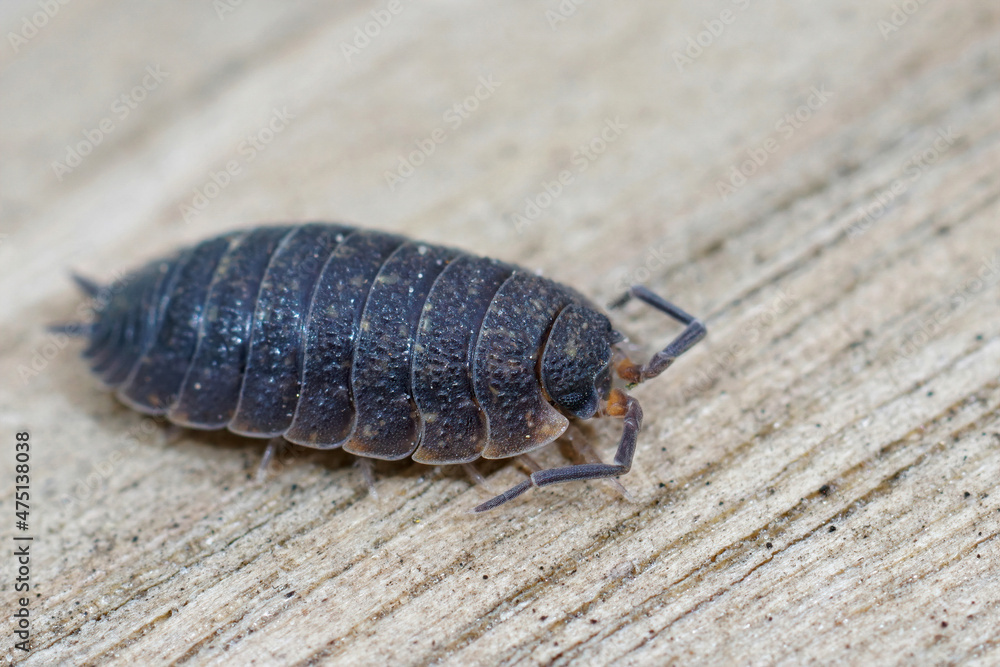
<point>619,405</point>
<point>581,451</point>
<point>693,332</point>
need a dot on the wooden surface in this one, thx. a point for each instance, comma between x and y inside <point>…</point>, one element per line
<point>815,483</point>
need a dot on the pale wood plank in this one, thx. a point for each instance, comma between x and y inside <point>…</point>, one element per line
<point>862,394</point>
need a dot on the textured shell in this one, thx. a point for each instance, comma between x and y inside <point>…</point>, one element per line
<point>333,336</point>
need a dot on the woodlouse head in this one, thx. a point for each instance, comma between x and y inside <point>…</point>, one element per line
<point>576,361</point>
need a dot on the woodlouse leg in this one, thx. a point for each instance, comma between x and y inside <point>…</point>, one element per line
<point>529,462</point>
<point>584,452</point>
<point>172,433</point>
<point>367,466</point>
<point>274,447</point>
<point>478,478</point>
<point>693,332</point>
<point>632,421</point>
<point>524,460</point>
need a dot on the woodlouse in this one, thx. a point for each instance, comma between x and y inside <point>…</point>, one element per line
<point>333,336</point>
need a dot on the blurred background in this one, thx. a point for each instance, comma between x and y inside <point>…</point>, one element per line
<point>818,181</point>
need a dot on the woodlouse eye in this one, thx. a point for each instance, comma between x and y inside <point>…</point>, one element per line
<point>574,402</point>
<point>575,366</point>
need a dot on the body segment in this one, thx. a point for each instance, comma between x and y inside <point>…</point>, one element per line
<point>504,369</point>
<point>324,416</point>
<point>211,386</point>
<point>276,348</point>
<point>454,428</point>
<point>388,421</point>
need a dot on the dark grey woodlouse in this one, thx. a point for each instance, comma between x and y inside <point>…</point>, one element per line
<point>332,336</point>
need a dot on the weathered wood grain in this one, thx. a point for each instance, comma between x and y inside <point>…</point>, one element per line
<point>815,483</point>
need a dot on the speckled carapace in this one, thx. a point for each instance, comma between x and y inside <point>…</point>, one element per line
<point>332,336</point>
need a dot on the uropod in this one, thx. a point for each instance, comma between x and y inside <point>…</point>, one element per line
<point>333,336</point>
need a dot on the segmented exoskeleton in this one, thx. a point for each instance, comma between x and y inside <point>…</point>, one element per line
<point>332,336</point>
